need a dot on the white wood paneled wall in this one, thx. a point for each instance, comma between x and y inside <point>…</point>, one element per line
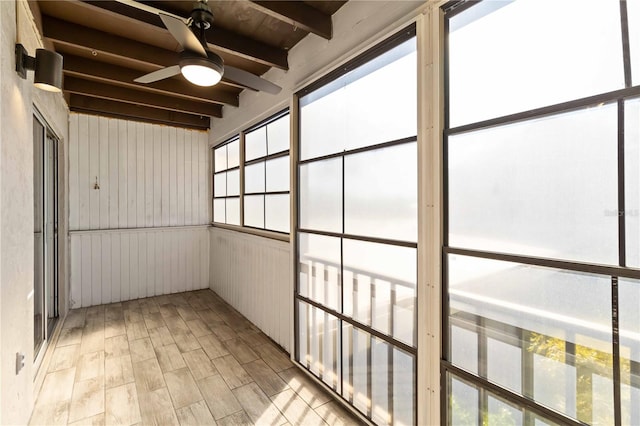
<point>253,274</point>
<point>117,265</point>
<point>149,175</point>
<point>137,235</point>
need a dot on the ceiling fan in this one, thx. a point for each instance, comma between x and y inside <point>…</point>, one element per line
<point>197,64</point>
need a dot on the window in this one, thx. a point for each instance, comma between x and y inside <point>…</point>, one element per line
<point>266,175</point>
<point>542,235</point>
<point>226,183</point>
<point>251,177</point>
<point>357,237</point>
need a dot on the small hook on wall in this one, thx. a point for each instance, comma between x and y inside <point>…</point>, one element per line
<point>96,185</point>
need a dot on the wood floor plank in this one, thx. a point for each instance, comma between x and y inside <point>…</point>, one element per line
<point>335,414</point>
<point>223,332</point>
<point>153,320</point>
<point>168,311</point>
<point>75,318</point>
<point>52,404</point>
<point>97,420</point>
<point>87,399</point>
<point>122,407</point>
<point>116,346</point>
<point>240,350</point>
<point>136,330</point>
<point>148,375</point>
<point>114,328</point>
<point>92,338</point>
<point>296,410</point>
<point>113,312</point>
<point>274,357</point>
<point>176,324</point>
<point>268,380</point>
<point>237,419</point>
<point>70,336</point>
<point>308,390</point>
<point>90,366</point>
<point>64,357</point>
<point>212,346</point>
<point>199,364</point>
<point>187,313</point>
<point>118,371</point>
<point>258,406</point>
<point>186,341</point>
<point>219,398</point>
<point>198,327</point>
<point>156,408</point>
<point>131,316</point>
<point>141,349</point>
<point>231,371</point>
<point>182,388</point>
<point>170,358</point>
<point>253,338</point>
<point>160,337</point>
<point>195,414</point>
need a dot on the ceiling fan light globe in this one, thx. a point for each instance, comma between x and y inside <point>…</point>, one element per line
<point>201,75</point>
<point>202,71</point>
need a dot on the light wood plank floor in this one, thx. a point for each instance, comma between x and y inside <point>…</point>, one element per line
<point>186,358</point>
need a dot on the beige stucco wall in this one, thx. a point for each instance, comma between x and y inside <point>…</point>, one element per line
<point>17,98</point>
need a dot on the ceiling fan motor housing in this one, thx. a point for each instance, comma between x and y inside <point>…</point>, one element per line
<point>201,15</point>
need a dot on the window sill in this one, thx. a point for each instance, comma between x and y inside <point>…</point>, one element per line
<point>253,231</point>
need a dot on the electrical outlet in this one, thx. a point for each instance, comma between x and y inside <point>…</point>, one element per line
<point>19,362</point>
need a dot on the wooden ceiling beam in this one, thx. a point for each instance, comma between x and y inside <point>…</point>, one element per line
<point>297,14</point>
<point>123,94</point>
<point>70,34</point>
<point>108,108</point>
<point>94,70</point>
<point>224,40</point>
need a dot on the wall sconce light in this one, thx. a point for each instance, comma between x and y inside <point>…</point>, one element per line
<point>47,66</point>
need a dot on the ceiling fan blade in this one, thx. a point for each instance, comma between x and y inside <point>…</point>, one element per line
<point>159,75</point>
<point>183,35</point>
<point>250,80</point>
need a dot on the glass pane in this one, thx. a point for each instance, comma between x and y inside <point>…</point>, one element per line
<point>545,187</point>
<point>220,185</point>
<point>404,373</point>
<point>561,319</point>
<point>632,180</point>
<point>463,403</point>
<point>633,12</point>
<point>467,408</point>
<point>220,155</point>
<point>254,211</point>
<point>233,211</point>
<point>346,115</point>
<point>561,63</point>
<point>233,182</point>
<point>219,209</point>
<point>278,174</point>
<point>381,194</point>
<point>255,144</point>
<point>629,308</point>
<point>321,195</point>
<point>318,343</point>
<point>233,154</point>
<point>320,269</point>
<point>355,355</point>
<point>379,287</point>
<point>502,414</point>
<point>504,364</point>
<point>380,363</point>
<point>277,211</point>
<point>254,178</point>
<point>464,347</point>
<point>278,135</point>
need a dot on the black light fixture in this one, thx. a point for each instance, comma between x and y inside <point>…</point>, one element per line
<point>47,66</point>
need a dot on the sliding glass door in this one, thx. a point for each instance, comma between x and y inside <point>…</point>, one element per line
<point>45,197</point>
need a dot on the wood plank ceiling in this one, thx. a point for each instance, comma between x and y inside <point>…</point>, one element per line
<point>107,44</point>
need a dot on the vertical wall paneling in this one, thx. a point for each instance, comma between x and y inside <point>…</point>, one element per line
<point>103,177</point>
<point>140,176</point>
<point>94,171</point>
<point>253,274</point>
<point>123,151</point>
<point>112,184</point>
<point>83,172</point>
<point>132,237</point>
<point>132,190</point>
<point>73,171</point>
